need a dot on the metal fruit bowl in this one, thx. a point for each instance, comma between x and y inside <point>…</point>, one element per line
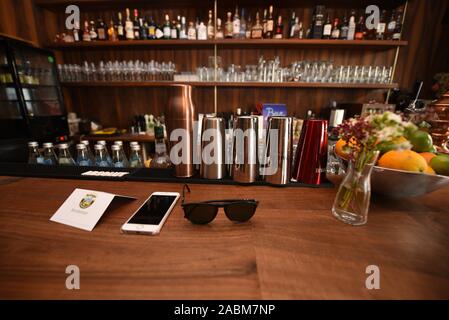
<point>399,183</point>
<point>403,184</point>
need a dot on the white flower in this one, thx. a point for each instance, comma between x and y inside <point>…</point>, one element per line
<point>393,117</point>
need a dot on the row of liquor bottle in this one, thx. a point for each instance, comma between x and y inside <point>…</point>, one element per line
<point>240,25</point>
<point>100,157</point>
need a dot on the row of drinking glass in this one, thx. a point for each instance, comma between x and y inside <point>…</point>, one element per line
<point>85,157</point>
<point>117,71</point>
<point>300,71</point>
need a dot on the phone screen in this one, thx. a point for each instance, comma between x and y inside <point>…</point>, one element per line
<point>154,210</point>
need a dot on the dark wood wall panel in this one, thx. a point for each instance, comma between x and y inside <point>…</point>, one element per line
<point>17,19</point>
<point>298,100</point>
<point>427,31</point>
<point>116,107</point>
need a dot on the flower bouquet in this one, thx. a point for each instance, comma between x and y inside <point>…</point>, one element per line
<point>364,138</point>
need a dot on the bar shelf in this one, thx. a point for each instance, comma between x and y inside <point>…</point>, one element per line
<point>234,84</point>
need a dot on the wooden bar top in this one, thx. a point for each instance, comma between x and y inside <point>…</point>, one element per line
<point>292,248</point>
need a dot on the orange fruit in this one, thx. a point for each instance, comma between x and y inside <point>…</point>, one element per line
<point>403,160</point>
<point>341,150</point>
<point>428,156</point>
<point>429,170</point>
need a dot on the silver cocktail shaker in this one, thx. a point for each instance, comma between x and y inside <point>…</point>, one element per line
<point>278,150</point>
<point>213,148</point>
<point>245,167</point>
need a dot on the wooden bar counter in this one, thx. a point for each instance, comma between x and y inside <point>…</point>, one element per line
<point>292,248</point>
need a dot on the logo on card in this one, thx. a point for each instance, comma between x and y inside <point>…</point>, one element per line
<point>87,201</point>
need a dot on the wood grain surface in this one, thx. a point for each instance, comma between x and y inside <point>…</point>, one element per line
<point>293,248</point>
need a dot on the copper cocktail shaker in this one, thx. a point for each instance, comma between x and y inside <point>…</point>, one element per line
<point>180,115</point>
<point>311,153</point>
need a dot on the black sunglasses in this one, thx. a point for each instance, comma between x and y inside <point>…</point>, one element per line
<point>238,210</point>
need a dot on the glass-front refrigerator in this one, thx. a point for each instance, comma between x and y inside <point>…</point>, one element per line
<point>31,104</point>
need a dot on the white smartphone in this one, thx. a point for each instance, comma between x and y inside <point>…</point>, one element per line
<point>151,216</point>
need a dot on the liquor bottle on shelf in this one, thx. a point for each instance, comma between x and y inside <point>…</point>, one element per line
<point>120,28</point>
<point>228,26</point>
<point>391,26</point>
<point>197,24</point>
<point>93,31</point>
<point>270,24</point>
<point>292,25</point>
<point>249,25</point>
<point>183,30</point>
<point>351,26</point>
<point>264,23</point>
<point>161,158</point>
<point>112,33</point>
<point>243,25</point>
<point>279,30</point>
<point>210,26</point>
<point>159,33</point>
<point>202,31</point>
<point>360,29</point>
<point>136,25</point>
<point>152,29</point>
<point>191,31</point>
<point>398,28</point>
<point>257,29</point>
<point>129,27</point>
<point>76,32</point>
<point>335,34</point>
<point>318,23</point>
<point>101,30</point>
<point>178,25</point>
<point>86,31</point>
<point>344,30</point>
<point>370,31</point>
<point>143,24</point>
<point>381,26</point>
<point>236,24</point>
<point>219,33</point>
<point>301,31</point>
<point>327,28</point>
<point>166,29</point>
<point>174,34</point>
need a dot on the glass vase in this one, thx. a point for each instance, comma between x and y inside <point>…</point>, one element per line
<point>352,201</point>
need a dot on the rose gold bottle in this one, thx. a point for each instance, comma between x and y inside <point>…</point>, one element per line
<point>180,115</point>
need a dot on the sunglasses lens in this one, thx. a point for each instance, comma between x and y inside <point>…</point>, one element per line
<point>200,213</point>
<point>240,212</point>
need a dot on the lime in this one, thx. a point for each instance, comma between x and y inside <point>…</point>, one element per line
<point>440,164</point>
<point>421,141</point>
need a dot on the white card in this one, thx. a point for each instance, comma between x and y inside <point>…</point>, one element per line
<point>84,208</point>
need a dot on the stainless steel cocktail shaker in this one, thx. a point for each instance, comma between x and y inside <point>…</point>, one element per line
<point>213,148</point>
<point>278,150</point>
<point>245,167</point>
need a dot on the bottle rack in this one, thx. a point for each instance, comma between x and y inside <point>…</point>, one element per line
<point>229,95</point>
